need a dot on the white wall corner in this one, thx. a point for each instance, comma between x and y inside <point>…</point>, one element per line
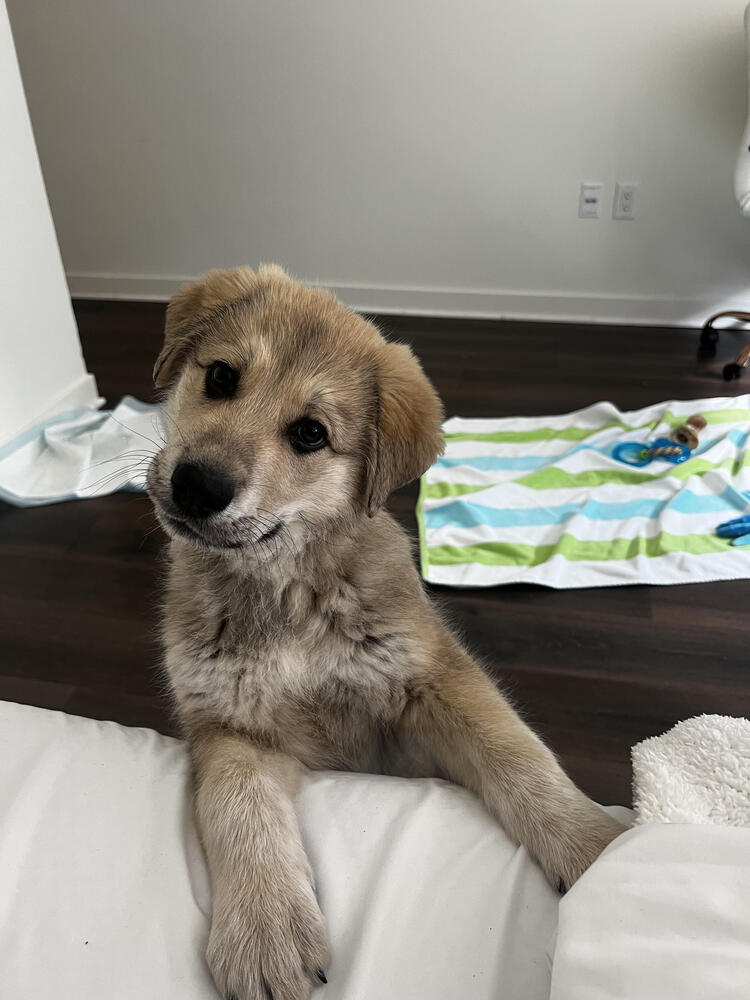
<point>38,332</point>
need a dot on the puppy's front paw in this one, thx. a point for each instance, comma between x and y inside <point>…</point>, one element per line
<point>576,843</point>
<point>268,943</point>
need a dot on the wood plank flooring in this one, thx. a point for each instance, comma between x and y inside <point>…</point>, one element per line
<point>594,670</point>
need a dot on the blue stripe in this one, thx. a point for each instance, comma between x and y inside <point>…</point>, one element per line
<point>500,462</point>
<point>736,437</point>
<point>38,429</point>
<point>464,514</point>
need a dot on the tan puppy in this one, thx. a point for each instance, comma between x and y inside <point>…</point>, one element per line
<point>297,632</point>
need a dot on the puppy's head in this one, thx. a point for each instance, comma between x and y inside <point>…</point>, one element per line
<point>287,414</point>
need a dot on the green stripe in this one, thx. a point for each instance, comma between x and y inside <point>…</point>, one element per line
<point>436,491</point>
<point>552,478</point>
<point>575,550</point>
<point>581,433</point>
<point>540,434</point>
<point>711,417</point>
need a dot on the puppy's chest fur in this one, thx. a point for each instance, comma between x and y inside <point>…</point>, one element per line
<point>311,669</point>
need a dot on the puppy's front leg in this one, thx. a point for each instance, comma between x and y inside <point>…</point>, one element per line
<point>267,934</point>
<point>481,743</point>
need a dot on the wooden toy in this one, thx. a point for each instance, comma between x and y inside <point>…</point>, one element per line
<point>688,432</point>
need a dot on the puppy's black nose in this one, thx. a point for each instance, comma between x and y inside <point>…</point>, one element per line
<point>200,490</point>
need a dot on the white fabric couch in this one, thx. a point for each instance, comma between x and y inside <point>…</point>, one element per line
<point>105,896</point>
<point>104,892</point>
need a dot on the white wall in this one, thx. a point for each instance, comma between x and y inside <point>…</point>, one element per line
<point>418,154</point>
<point>42,371</point>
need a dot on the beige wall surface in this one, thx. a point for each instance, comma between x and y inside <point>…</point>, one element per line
<point>417,155</point>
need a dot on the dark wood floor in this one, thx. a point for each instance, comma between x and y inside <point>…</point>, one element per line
<point>594,670</point>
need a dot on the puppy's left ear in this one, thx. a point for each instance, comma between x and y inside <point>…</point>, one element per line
<point>407,435</point>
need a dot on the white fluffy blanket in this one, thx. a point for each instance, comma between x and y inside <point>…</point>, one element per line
<point>698,772</point>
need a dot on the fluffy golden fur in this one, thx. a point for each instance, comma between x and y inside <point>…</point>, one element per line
<point>296,629</point>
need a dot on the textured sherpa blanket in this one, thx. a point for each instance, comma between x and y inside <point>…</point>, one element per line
<point>543,499</point>
<point>698,772</point>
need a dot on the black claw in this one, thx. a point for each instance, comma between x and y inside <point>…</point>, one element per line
<point>321,976</point>
<point>561,887</point>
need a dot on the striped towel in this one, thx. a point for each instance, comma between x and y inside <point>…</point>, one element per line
<point>542,500</point>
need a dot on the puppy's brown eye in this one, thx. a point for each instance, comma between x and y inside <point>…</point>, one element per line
<point>307,435</point>
<point>221,380</point>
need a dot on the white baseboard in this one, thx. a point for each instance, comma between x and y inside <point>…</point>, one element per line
<point>470,303</point>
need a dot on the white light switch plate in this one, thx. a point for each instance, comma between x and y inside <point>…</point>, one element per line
<point>590,201</point>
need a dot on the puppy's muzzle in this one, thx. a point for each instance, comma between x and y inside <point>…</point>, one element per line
<point>200,490</point>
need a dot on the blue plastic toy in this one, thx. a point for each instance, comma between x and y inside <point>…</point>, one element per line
<point>638,455</point>
<point>737,529</point>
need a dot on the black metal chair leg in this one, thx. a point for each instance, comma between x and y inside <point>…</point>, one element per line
<point>709,340</point>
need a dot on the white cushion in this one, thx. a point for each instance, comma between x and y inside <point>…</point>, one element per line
<point>105,894</point>
<point>664,914</point>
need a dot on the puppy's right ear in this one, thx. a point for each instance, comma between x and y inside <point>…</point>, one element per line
<point>185,310</point>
